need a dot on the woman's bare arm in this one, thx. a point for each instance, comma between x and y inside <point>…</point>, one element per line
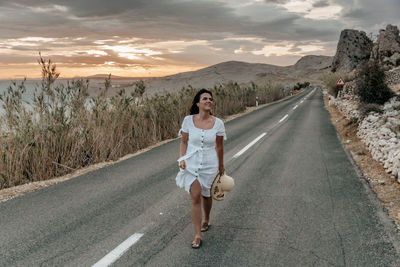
<point>220,153</point>
<point>182,149</point>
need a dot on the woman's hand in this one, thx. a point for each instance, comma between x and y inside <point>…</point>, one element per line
<point>221,169</point>
<point>182,164</point>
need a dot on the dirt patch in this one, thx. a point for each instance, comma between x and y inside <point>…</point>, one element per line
<point>12,192</point>
<point>383,184</point>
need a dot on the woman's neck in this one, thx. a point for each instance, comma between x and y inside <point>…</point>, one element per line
<point>204,115</point>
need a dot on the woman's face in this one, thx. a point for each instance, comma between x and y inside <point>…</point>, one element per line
<point>206,102</point>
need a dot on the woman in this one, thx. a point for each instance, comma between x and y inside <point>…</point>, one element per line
<point>201,158</point>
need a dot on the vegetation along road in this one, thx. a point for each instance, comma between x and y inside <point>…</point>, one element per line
<point>298,201</point>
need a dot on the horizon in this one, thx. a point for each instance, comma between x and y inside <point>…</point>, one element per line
<point>104,75</point>
<point>161,38</point>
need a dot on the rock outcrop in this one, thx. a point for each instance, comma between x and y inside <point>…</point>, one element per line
<point>393,76</point>
<point>386,50</point>
<point>353,47</point>
<point>379,132</point>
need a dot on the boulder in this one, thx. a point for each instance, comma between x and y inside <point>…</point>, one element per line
<point>386,50</point>
<point>353,47</point>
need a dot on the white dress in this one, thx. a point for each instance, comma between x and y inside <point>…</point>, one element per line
<point>201,155</point>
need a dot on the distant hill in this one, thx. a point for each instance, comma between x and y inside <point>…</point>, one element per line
<point>308,68</point>
<point>104,76</point>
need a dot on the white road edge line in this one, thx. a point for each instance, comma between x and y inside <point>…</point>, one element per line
<point>295,107</point>
<point>117,252</point>
<point>248,146</point>
<point>283,118</point>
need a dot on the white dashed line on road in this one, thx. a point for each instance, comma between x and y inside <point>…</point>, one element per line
<point>117,252</point>
<point>263,134</point>
<point>249,145</point>
<point>283,118</point>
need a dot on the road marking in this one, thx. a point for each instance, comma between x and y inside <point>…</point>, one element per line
<point>249,145</point>
<point>283,118</point>
<point>117,252</point>
<point>295,107</point>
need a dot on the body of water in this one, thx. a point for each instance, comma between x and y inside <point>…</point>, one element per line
<point>94,85</point>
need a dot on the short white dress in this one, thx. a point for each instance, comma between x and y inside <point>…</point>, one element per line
<point>201,155</point>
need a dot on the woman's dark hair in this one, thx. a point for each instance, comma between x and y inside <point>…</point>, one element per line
<point>194,108</point>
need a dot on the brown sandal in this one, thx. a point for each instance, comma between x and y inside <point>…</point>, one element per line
<point>204,227</point>
<point>197,243</point>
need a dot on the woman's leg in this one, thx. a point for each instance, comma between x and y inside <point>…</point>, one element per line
<point>207,205</point>
<point>195,195</point>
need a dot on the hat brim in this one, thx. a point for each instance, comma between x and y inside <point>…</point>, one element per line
<point>216,191</point>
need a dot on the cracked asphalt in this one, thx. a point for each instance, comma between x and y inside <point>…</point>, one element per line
<point>298,201</point>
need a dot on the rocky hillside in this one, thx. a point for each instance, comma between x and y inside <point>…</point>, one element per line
<point>355,48</point>
<point>379,125</point>
<point>387,48</point>
<point>307,68</point>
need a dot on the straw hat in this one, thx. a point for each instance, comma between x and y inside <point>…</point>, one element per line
<point>222,183</point>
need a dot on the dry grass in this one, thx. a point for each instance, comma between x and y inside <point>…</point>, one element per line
<point>382,183</point>
<point>15,191</point>
<point>65,129</point>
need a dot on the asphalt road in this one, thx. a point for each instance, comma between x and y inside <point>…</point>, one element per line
<point>298,201</point>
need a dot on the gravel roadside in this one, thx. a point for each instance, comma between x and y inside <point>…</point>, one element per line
<point>383,184</point>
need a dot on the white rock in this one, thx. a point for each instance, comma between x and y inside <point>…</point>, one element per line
<point>386,165</point>
<point>382,143</point>
<point>376,132</point>
<point>372,118</point>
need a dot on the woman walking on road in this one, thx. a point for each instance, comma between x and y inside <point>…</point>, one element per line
<point>201,158</point>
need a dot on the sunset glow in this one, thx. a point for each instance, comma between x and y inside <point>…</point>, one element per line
<point>160,38</point>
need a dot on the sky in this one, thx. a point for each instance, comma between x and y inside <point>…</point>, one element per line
<point>147,38</point>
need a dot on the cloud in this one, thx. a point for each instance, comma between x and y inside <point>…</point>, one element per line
<point>277,1</point>
<point>195,33</point>
<point>369,15</point>
<point>321,3</point>
<point>155,19</point>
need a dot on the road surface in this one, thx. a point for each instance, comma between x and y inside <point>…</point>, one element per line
<point>298,201</point>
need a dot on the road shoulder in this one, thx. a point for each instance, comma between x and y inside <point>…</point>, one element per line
<point>386,188</point>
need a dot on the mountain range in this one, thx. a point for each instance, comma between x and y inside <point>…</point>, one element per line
<point>308,68</point>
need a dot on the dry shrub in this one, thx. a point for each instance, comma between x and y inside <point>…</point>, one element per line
<point>64,129</point>
<point>365,109</point>
<point>330,79</point>
<point>371,87</point>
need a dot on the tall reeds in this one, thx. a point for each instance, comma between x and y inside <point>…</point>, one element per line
<point>64,128</point>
